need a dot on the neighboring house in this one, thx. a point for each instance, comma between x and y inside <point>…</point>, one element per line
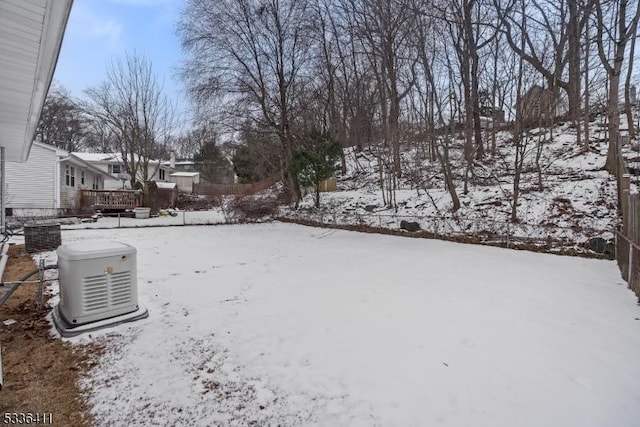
<point>539,103</point>
<point>112,163</point>
<point>180,165</point>
<point>187,181</point>
<point>490,114</point>
<point>221,173</point>
<point>49,182</point>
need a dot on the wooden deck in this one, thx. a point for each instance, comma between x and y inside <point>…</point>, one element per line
<point>111,199</point>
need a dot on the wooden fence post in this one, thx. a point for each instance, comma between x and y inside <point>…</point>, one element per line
<point>630,265</point>
<point>633,218</point>
<point>625,186</point>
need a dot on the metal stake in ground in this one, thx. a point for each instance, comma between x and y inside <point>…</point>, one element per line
<point>40,297</point>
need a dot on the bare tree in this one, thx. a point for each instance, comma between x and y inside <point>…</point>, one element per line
<point>384,29</point>
<point>131,106</point>
<point>62,121</point>
<point>520,141</point>
<point>252,56</point>
<point>435,102</point>
<point>468,25</point>
<point>555,24</point>
<point>627,89</point>
<point>587,90</point>
<point>344,89</point>
<point>98,138</point>
<point>621,27</point>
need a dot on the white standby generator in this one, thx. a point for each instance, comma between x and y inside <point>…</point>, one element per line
<point>98,287</point>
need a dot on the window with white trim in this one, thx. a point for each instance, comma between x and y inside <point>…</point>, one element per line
<point>82,177</point>
<point>161,174</point>
<point>70,176</point>
<point>97,183</point>
<point>115,168</point>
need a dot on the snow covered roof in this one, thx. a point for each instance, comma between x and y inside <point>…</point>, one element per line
<point>166,185</point>
<point>59,151</point>
<point>30,41</point>
<point>108,158</point>
<point>95,157</point>
<point>72,158</point>
<point>187,174</point>
<point>179,163</point>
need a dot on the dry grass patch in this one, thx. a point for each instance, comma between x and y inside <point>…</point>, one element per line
<point>41,373</point>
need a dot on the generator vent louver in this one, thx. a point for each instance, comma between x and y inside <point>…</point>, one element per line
<point>100,292</point>
<point>95,293</point>
<point>120,288</point>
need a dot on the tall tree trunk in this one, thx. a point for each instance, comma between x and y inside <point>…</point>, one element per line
<point>613,117</point>
<point>465,68</point>
<point>518,130</point>
<point>587,92</point>
<point>627,90</point>
<point>622,34</point>
<point>494,90</point>
<point>573,54</point>
<point>448,175</point>
<point>394,111</point>
<point>472,51</point>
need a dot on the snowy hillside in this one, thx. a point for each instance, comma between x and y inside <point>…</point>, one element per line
<point>576,202</point>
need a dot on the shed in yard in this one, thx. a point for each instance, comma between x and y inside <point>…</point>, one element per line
<point>166,194</point>
<point>187,182</point>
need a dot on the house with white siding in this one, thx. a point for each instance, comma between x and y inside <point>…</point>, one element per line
<point>112,164</point>
<point>49,182</point>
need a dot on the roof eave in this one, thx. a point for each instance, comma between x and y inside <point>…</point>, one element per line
<point>55,16</point>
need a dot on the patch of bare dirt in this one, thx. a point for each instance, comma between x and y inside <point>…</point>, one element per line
<point>41,373</point>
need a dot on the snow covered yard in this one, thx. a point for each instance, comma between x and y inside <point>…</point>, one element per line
<point>277,324</point>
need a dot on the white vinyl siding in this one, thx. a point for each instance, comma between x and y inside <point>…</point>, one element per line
<point>105,182</point>
<point>32,184</point>
<point>68,195</point>
<point>48,180</point>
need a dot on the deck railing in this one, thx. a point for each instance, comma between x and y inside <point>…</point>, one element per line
<point>111,199</point>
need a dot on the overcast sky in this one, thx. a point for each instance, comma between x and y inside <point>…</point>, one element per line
<point>100,31</point>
